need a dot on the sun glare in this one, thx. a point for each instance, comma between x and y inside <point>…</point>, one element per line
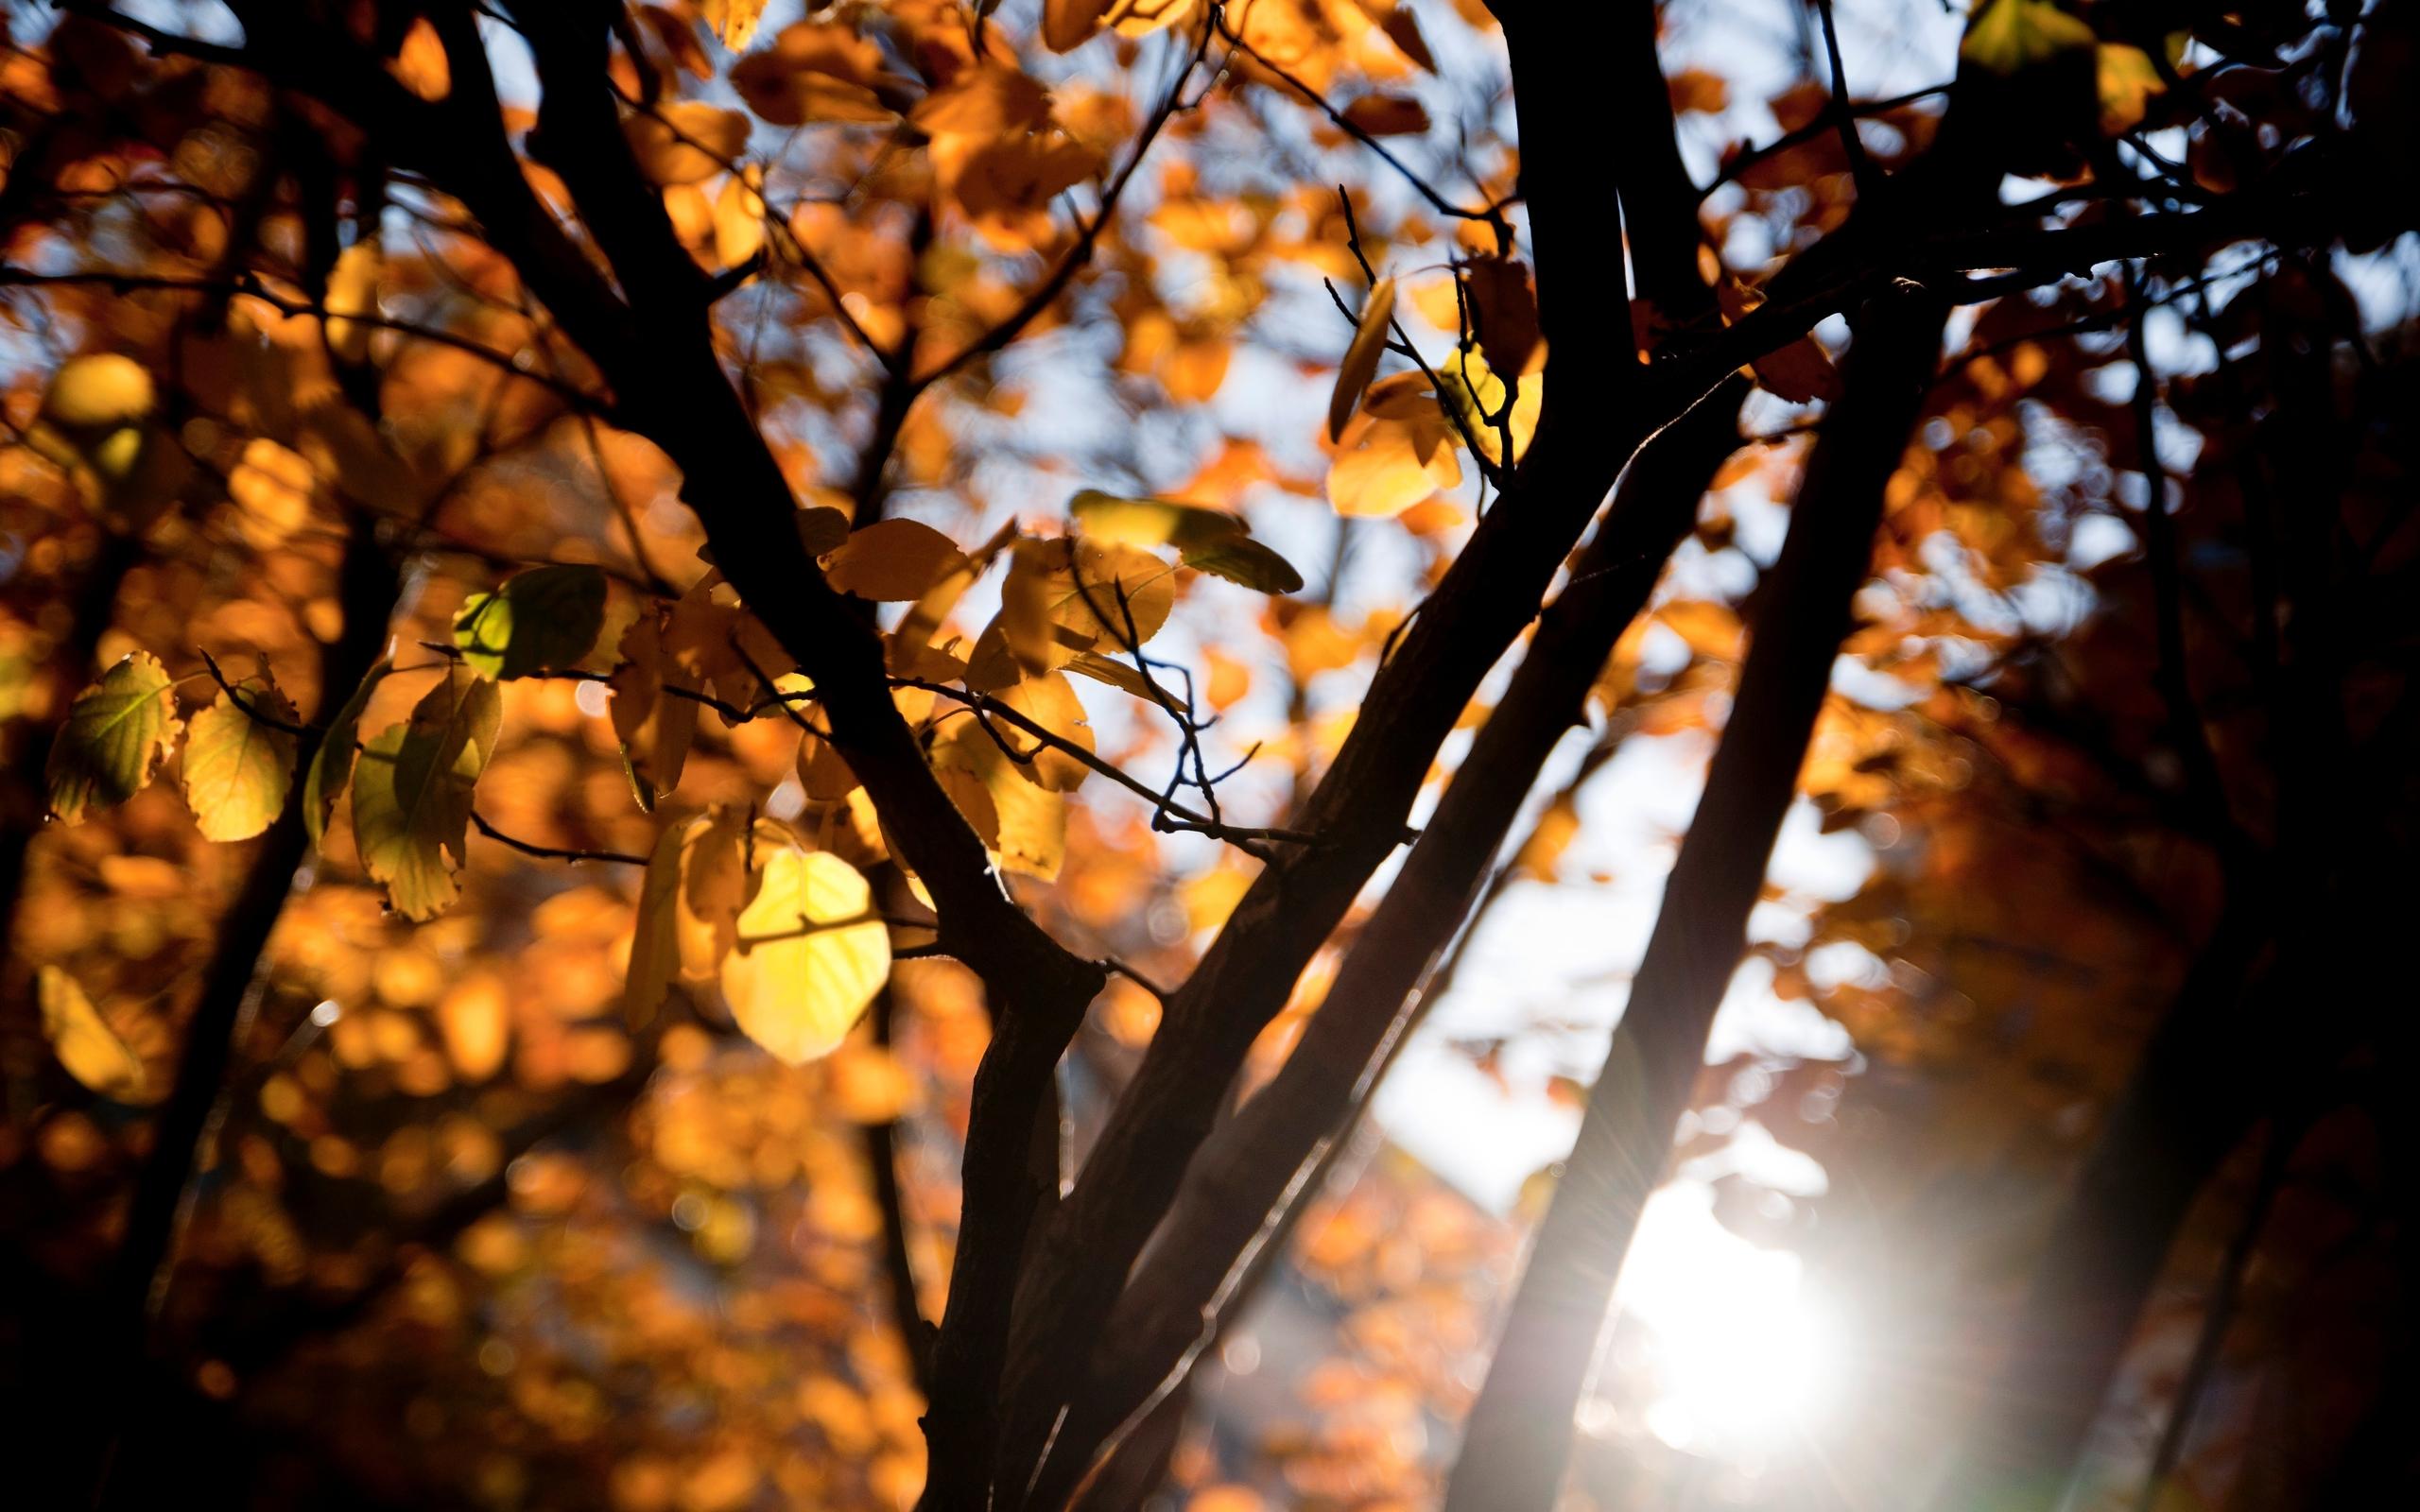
<point>1736,1360</point>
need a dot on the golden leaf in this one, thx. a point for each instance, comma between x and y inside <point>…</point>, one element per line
<point>1049,701</point>
<point>685,141</point>
<point>84,1042</point>
<point>238,765</point>
<point>892,560</point>
<point>803,974</point>
<point>1361,356</point>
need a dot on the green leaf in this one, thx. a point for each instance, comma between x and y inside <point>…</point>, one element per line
<point>411,792</point>
<point>1210,540</point>
<point>1247,561</point>
<point>332,764</point>
<point>118,731</point>
<point>2008,35</point>
<point>547,617</point>
<point>238,763</point>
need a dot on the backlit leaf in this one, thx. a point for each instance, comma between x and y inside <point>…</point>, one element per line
<point>332,764</point>
<point>2008,35</point>
<point>411,792</point>
<point>547,617</point>
<point>1361,356</point>
<point>84,1042</point>
<point>656,725</point>
<point>803,974</point>
<point>118,731</point>
<point>238,765</point>
<point>1046,699</point>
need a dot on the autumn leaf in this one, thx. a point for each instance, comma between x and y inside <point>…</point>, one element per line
<point>419,63</point>
<point>892,560</point>
<point>733,20</point>
<point>238,763</point>
<point>1024,825</point>
<point>1361,356</point>
<point>332,764</point>
<point>1067,25</point>
<point>271,490</point>
<point>814,71</point>
<point>655,724</point>
<point>1396,452</point>
<point>1048,701</point>
<point>655,946</point>
<point>2128,79</point>
<point>411,792</point>
<point>2008,35</point>
<point>802,972</point>
<point>352,291</point>
<point>547,617</point>
<point>84,1042</point>
<point>1210,540</point>
<point>684,142</point>
<point>1388,115</point>
<point>118,731</point>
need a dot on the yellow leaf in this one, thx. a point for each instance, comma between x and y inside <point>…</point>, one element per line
<point>332,764</point>
<point>1026,832</point>
<point>1049,701</point>
<point>1361,356</point>
<point>803,974</point>
<point>84,1042</point>
<point>118,731</point>
<point>740,220</point>
<point>892,560</point>
<point>685,141</point>
<point>411,792</point>
<point>98,393</point>
<point>238,765</point>
<point>1396,452</point>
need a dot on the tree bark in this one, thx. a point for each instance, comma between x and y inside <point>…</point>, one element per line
<point>1518,1439</point>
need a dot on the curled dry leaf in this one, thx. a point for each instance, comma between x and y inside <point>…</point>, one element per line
<point>1361,356</point>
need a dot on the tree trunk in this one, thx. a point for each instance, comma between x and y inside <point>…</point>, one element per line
<point>1518,1438</point>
